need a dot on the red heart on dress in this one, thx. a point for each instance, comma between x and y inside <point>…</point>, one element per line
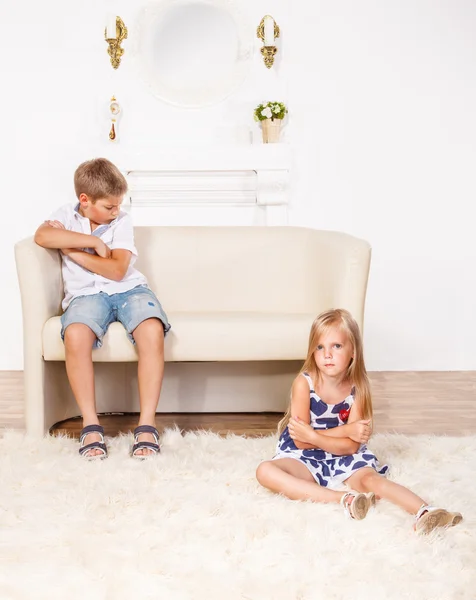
<point>344,414</point>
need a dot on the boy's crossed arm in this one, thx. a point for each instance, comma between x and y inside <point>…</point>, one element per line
<point>110,264</point>
<point>113,268</point>
<point>52,234</point>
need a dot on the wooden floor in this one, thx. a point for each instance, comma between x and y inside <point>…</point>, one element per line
<point>442,403</point>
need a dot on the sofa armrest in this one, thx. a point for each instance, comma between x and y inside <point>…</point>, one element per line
<point>343,264</point>
<point>41,290</point>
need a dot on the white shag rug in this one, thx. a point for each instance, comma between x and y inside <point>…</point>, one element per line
<point>195,524</point>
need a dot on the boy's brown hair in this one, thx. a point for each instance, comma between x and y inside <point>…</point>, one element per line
<point>99,178</point>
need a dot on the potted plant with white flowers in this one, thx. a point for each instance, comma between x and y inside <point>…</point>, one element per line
<point>270,115</point>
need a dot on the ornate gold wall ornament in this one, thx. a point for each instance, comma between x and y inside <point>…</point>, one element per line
<point>268,31</point>
<point>268,53</point>
<point>114,49</point>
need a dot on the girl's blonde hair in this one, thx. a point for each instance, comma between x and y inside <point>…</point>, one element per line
<point>356,372</point>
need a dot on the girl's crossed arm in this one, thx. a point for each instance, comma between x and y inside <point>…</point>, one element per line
<point>341,440</point>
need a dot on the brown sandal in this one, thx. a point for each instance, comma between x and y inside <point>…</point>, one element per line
<point>429,518</point>
<point>359,506</point>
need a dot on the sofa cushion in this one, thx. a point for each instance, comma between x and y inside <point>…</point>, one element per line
<point>222,336</point>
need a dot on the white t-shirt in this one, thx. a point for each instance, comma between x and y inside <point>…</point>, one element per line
<point>118,234</point>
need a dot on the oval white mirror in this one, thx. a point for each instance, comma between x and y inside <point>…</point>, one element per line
<point>193,53</point>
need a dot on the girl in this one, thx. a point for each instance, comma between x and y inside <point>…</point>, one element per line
<point>325,429</point>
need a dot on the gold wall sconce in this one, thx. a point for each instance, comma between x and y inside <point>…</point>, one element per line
<point>268,31</point>
<point>114,34</point>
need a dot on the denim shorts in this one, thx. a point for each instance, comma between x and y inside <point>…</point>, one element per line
<point>98,311</point>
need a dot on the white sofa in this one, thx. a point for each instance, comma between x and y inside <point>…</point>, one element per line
<point>241,301</point>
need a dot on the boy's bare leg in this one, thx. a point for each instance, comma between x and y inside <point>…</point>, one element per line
<point>78,342</point>
<point>149,337</point>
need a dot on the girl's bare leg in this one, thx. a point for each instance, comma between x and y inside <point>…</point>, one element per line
<point>291,478</point>
<point>427,518</point>
<point>368,480</point>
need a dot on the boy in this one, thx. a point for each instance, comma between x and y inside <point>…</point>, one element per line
<point>101,285</point>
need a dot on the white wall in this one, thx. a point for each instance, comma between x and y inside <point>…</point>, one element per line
<point>382,99</point>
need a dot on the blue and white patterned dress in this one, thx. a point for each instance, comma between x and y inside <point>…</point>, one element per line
<point>329,470</point>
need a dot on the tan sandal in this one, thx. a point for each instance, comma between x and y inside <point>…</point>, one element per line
<point>429,518</point>
<point>359,507</point>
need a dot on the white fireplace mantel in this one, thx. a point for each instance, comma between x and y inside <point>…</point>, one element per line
<point>240,176</point>
<point>208,157</point>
